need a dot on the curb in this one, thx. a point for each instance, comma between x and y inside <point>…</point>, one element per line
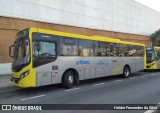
<point>5,81</point>
<point>4,74</point>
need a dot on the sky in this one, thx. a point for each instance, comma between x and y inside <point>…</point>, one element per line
<point>154,4</point>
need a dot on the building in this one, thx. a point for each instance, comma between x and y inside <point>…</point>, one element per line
<point>123,19</point>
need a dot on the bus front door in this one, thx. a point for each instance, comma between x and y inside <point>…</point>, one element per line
<point>43,76</point>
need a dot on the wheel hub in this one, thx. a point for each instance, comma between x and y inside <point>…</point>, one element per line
<point>70,79</point>
<point>126,72</point>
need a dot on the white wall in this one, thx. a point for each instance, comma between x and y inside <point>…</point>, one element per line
<point>126,16</point>
<point>5,68</point>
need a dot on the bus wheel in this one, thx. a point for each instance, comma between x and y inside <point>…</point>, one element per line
<point>126,72</point>
<point>68,79</point>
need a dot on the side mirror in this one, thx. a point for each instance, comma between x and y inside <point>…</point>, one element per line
<point>38,46</point>
<point>11,50</point>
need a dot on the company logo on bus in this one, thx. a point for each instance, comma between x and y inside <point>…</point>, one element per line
<point>82,62</point>
<point>102,62</point>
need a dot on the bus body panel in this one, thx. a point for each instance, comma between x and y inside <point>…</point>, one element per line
<point>28,81</point>
<point>97,67</point>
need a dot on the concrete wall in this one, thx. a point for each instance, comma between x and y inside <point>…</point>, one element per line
<point>5,68</point>
<point>123,19</point>
<point>127,16</point>
<point>10,26</point>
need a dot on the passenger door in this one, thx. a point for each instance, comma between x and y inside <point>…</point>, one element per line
<point>44,53</point>
<point>117,65</point>
<point>43,76</point>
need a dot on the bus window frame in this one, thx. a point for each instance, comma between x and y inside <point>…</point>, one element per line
<point>62,42</point>
<point>39,58</point>
<point>36,37</point>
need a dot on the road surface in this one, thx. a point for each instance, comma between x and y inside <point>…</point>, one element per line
<point>139,88</point>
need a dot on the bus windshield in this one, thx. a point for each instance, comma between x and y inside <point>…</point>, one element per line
<point>150,56</point>
<point>22,54</point>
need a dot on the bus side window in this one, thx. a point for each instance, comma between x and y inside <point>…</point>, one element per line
<point>131,50</point>
<point>85,47</point>
<point>123,50</point>
<point>102,49</point>
<point>140,51</point>
<point>69,46</point>
<point>107,49</point>
<point>96,48</point>
<point>114,51</point>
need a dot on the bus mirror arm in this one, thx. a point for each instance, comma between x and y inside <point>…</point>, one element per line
<point>11,52</point>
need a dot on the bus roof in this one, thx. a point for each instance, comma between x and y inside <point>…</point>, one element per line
<point>72,35</point>
<point>157,47</point>
<point>153,47</point>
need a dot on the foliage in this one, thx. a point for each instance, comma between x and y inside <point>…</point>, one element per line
<point>155,34</point>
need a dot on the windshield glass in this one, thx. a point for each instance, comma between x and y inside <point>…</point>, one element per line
<point>150,56</point>
<point>22,54</point>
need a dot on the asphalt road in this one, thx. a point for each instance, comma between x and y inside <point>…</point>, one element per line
<point>139,88</point>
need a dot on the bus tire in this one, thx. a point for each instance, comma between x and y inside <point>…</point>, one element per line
<point>126,72</point>
<point>68,79</point>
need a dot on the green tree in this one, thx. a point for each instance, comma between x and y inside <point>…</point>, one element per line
<point>155,38</point>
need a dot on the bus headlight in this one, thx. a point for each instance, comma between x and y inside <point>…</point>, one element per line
<point>24,74</point>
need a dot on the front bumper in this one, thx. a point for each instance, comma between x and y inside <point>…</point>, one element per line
<point>20,83</point>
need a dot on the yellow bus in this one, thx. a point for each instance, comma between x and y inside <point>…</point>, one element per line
<point>43,57</point>
<point>153,58</point>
